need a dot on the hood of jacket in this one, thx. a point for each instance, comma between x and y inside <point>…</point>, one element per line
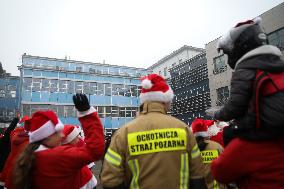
<point>266,57</point>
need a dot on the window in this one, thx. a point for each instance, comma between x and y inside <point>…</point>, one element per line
<point>79,87</point>
<point>219,64</point>
<point>45,85</point>
<point>78,69</point>
<point>2,93</point>
<point>222,95</point>
<point>133,89</point>
<point>62,86</point>
<point>86,87</point>
<point>276,38</point>
<point>107,89</point>
<point>93,88</point>
<point>70,87</point>
<point>27,84</point>
<point>53,85</point>
<point>117,89</point>
<point>101,111</point>
<point>100,89</point>
<point>36,84</point>
<point>165,71</point>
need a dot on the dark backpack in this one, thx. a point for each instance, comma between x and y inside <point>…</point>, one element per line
<point>266,84</point>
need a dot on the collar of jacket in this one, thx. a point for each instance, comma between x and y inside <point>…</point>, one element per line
<point>264,49</point>
<point>153,107</point>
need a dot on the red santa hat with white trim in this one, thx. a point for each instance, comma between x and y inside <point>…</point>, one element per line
<point>70,133</point>
<point>44,124</point>
<point>155,88</point>
<point>199,128</point>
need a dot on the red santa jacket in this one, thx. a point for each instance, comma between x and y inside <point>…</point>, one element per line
<point>19,141</point>
<point>251,164</point>
<point>60,167</point>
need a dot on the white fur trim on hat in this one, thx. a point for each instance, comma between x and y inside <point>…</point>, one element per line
<point>90,111</point>
<point>157,96</point>
<point>203,134</point>
<point>71,136</point>
<point>146,84</point>
<point>45,131</point>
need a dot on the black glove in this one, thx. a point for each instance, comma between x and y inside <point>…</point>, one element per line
<point>81,102</point>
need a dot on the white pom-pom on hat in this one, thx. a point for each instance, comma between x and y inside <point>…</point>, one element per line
<point>257,20</point>
<point>146,84</point>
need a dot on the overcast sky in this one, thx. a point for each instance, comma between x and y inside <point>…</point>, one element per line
<point>121,32</point>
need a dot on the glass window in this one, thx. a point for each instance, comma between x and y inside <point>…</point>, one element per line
<point>107,89</point>
<point>70,111</point>
<point>100,89</point>
<point>27,84</point>
<point>134,90</point>
<point>108,111</point>
<point>117,89</point>
<point>53,85</point>
<point>70,87</point>
<point>134,110</point>
<point>127,91</point>
<point>122,112</point>
<point>62,85</point>
<point>60,111</point>
<point>128,112</point>
<point>93,88</point>
<point>101,111</point>
<point>2,93</point>
<point>36,84</point>
<point>222,95</point>
<point>45,85</point>
<point>219,64</point>
<point>114,111</point>
<point>78,69</point>
<point>79,87</point>
<point>86,87</point>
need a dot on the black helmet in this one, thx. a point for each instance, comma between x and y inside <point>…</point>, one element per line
<point>244,37</point>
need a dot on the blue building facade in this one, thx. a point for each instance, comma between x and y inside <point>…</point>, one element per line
<point>9,97</point>
<point>49,83</point>
<point>190,84</point>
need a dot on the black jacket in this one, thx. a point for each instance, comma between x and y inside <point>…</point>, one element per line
<point>5,143</point>
<point>238,106</point>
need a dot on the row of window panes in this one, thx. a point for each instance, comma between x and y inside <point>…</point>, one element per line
<point>70,111</point>
<point>82,68</point>
<point>7,94</point>
<point>93,88</point>
<point>4,112</point>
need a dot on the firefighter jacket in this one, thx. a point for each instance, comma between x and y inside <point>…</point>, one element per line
<point>211,152</point>
<point>154,150</point>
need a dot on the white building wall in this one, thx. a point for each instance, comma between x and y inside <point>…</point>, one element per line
<point>176,59</point>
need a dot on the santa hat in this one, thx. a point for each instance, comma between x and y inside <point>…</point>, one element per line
<point>70,133</point>
<point>25,122</point>
<point>44,124</point>
<point>227,41</point>
<point>155,88</point>
<point>199,128</point>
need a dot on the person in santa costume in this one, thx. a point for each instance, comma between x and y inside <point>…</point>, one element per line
<point>72,137</point>
<point>19,141</point>
<point>45,163</point>
<point>254,156</point>
<point>209,150</point>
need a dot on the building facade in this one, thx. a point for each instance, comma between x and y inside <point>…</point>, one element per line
<point>220,74</point>
<point>50,83</point>
<point>9,97</point>
<point>163,66</point>
<point>191,88</point>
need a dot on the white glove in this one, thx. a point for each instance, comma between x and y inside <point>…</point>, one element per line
<point>211,111</point>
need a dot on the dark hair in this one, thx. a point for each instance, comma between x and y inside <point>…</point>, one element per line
<point>201,143</point>
<point>24,165</point>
